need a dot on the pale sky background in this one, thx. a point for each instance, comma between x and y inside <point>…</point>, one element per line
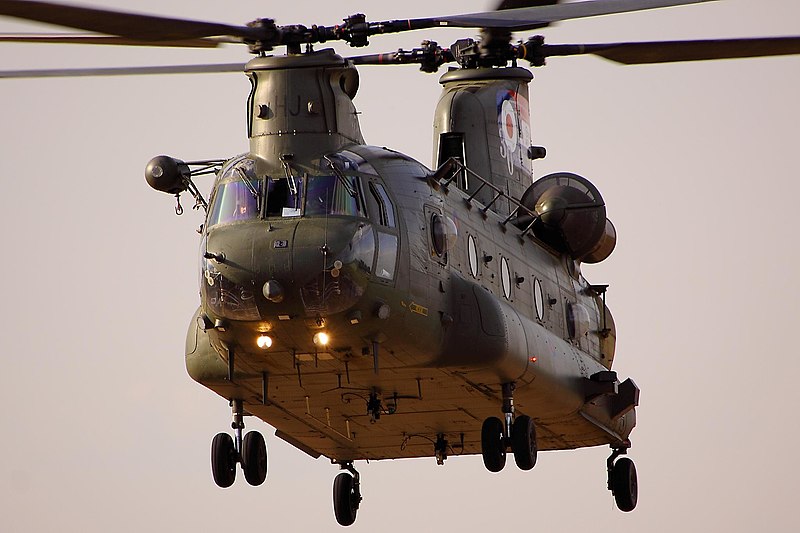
<point>103,430</point>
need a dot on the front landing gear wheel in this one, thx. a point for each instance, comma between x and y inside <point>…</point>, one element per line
<point>254,458</point>
<point>493,444</point>
<point>624,484</point>
<point>523,442</point>
<point>223,460</point>
<point>346,498</point>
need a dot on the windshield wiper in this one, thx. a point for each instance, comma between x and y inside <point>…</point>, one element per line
<point>341,177</point>
<point>250,187</point>
<point>289,177</point>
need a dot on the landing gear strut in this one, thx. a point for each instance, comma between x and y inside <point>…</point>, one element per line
<point>519,434</point>
<point>440,449</point>
<point>346,494</point>
<point>250,452</point>
<point>622,481</point>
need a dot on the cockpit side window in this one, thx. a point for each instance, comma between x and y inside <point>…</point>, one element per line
<point>387,256</point>
<point>385,206</point>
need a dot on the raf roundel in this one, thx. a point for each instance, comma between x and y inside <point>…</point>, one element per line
<point>509,128</point>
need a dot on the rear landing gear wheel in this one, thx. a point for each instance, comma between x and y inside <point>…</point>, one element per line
<point>254,458</point>
<point>346,498</point>
<point>523,442</point>
<point>223,460</point>
<point>624,484</point>
<point>493,444</point>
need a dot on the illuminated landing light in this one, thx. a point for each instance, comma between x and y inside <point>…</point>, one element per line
<point>321,338</point>
<point>264,342</point>
<point>533,359</point>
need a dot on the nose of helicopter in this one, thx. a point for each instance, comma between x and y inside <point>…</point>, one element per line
<point>317,244</point>
<point>301,266</point>
<point>324,277</point>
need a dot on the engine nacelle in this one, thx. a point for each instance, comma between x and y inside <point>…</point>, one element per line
<point>604,247</point>
<point>167,174</point>
<point>570,217</point>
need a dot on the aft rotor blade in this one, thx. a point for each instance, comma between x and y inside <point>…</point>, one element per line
<point>535,17</point>
<point>122,71</point>
<point>675,51</point>
<point>77,38</point>
<point>131,25</point>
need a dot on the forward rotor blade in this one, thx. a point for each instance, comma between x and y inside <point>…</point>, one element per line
<point>133,26</point>
<point>263,33</point>
<point>76,38</point>
<point>505,5</point>
<point>122,71</point>
<point>516,4</point>
<point>390,58</point>
<point>675,51</point>
<point>500,37</point>
<point>429,58</point>
<point>535,17</point>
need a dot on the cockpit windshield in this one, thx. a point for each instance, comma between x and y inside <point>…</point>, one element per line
<point>237,196</point>
<point>239,191</point>
<point>322,195</point>
<point>284,197</point>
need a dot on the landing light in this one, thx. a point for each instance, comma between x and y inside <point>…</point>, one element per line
<point>321,338</point>
<point>264,342</point>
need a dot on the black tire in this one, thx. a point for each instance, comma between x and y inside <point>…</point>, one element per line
<point>223,460</point>
<point>493,445</point>
<point>523,442</point>
<point>345,499</point>
<point>624,484</point>
<point>254,457</point>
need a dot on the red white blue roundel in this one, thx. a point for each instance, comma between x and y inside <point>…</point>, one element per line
<point>513,125</point>
<point>509,127</point>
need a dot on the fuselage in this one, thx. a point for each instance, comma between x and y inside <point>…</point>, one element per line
<point>340,281</point>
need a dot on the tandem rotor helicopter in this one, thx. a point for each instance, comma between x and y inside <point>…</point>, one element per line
<point>368,307</point>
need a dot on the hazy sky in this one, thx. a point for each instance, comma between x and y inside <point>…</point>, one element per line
<point>103,430</point>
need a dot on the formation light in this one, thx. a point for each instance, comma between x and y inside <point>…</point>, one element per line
<point>264,342</point>
<point>321,338</point>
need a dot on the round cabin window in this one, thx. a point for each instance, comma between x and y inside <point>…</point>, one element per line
<point>472,252</point>
<point>505,277</point>
<point>538,298</point>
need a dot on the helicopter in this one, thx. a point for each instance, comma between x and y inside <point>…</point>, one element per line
<point>331,341</point>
